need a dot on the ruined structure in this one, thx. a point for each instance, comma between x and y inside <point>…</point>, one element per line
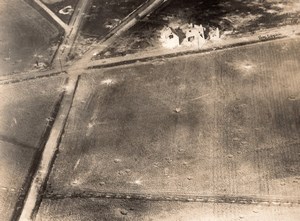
<point>169,38</point>
<point>190,35</point>
<point>214,34</point>
<point>194,36</point>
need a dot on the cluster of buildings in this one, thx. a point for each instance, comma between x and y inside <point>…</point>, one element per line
<point>190,36</point>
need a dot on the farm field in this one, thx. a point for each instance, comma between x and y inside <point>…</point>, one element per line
<point>221,123</point>
<point>142,210</point>
<point>25,37</point>
<point>26,114</point>
<point>169,136</point>
<point>235,19</point>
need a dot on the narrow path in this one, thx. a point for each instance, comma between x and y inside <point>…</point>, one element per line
<point>70,36</point>
<point>49,152</point>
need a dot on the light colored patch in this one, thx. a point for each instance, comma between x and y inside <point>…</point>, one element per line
<point>91,125</point>
<point>75,182</point>
<point>89,130</point>
<point>108,82</point>
<point>68,88</point>
<point>15,120</point>
<point>138,182</point>
<point>272,11</point>
<point>76,165</point>
<point>66,10</point>
<point>200,97</point>
<point>50,2</point>
<point>239,21</point>
<point>247,66</point>
<point>182,87</point>
<point>290,7</point>
<point>117,160</point>
<point>244,67</point>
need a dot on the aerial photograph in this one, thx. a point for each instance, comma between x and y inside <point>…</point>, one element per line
<point>149,110</point>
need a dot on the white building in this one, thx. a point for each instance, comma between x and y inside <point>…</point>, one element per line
<point>194,36</point>
<point>214,34</point>
<point>169,38</point>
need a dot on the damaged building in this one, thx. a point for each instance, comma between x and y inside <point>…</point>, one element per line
<point>190,36</point>
<point>194,36</point>
<point>171,38</point>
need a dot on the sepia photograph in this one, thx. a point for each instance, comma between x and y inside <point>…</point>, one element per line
<point>149,110</point>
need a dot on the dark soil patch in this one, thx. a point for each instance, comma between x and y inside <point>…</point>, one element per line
<point>59,5</point>
<point>104,15</point>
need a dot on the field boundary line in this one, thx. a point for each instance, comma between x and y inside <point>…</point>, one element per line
<point>262,200</point>
<point>17,78</point>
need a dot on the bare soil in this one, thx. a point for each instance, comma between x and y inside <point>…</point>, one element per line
<point>220,123</point>
<point>104,15</point>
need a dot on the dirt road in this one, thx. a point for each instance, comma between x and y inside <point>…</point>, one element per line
<point>71,34</point>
